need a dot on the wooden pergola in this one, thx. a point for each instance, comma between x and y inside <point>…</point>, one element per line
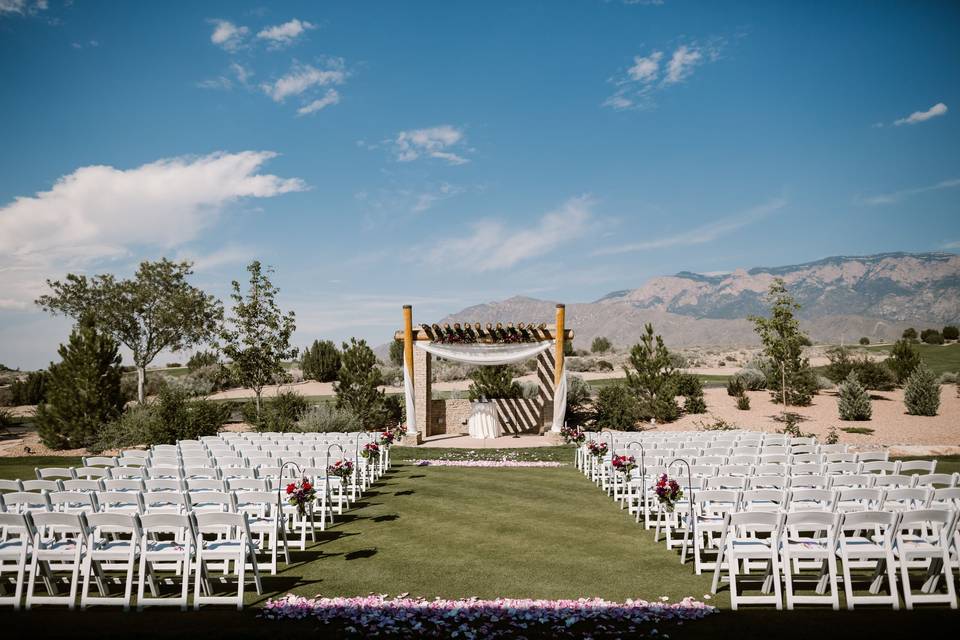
<point>433,417</point>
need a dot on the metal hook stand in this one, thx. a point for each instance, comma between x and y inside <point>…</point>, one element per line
<point>643,479</point>
<point>326,476</point>
<point>693,518</point>
<point>281,524</point>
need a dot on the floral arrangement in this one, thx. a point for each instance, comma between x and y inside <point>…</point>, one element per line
<point>370,450</point>
<point>494,336</point>
<point>471,618</point>
<point>387,437</point>
<point>573,435</point>
<point>301,494</point>
<point>486,463</point>
<point>342,469</point>
<point>624,464</point>
<point>598,449</point>
<point>668,492</point>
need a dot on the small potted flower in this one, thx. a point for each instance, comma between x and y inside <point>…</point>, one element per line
<point>668,492</point>
<point>301,494</point>
<point>342,469</point>
<point>597,449</point>
<point>573,435</point>
<point>624,464</point>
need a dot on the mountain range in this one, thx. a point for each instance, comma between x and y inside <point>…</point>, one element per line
<point>842,298</point>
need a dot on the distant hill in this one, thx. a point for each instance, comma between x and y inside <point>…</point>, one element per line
<point>843,298</point>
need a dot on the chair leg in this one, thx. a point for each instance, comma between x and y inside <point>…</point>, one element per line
<point>732,562</point>
<point>241,567</point>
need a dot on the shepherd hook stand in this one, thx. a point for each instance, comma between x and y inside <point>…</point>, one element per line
<point>281,521</point>
<point>693,518</point>
<point>643,480</point>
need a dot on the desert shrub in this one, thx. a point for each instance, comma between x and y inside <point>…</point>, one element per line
<point>325,417</point>
<point>153,383</point>
<point>752,379</point>
<point>872,375</point>
<point>215,377</point>
<point>858,430</point>
<point>31,390</point>
<point>617,408</point>
<point>823,383</point>
<point>949,377</point>
<point>854,401</point>
<point>578,402</point>
<point>922,392</point>
<point>202,359</point>
<point>950,332</point>
<point>600,345</point>
<point>909,334</point>
<point>278,414</point>
<point>493,382</point>
<point>578,364</point>
<point>174,365</point>
<point>743,402</point>
<point>529,390</point>
<point>190,385</point>
<point>444,371</point>
<point>604,365</point>
<point>903,359</point>
<point>715,424</point>
<point>735,387</point>
<point>791,425</point>
<point>801,387</point>
<point>832,436</point>
<point>320,361</point>
<point>864,341</point>
<point>6,419</point>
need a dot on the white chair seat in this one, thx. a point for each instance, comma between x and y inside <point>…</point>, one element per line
<point>157,547</point>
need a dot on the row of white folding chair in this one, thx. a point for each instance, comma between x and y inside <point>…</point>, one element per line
<point>87,544</point>
<point>919,539</point>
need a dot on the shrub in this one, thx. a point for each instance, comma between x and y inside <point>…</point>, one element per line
<point>823,383</point>
<point>735,387</point>
<point>493,383</point>
<point>391,376</point>
<point>578,402</point>
<point>600,345</point>
<point>153,383</point>
<point>202,359</point>
<point>909,334</point>
<point>32,390</point>
<point>326,417</point>
<point>604,365</point>
<point>864,341</point>
<point>859,430</point>
<point>791,425</point>
<point>950,332</point>
<point>83,391</point>
<point>690,387</point>
<point>743,402</point>
<point>801,387</point>
<point>321,361</point>
<point>215,377</point>
<point>577,364</point>
<point>854,401</point>
<point>359,382</point>
<point>949,377</point>
<point>903,359</point>
<point>617,409</point>
<point>6,420</point>
<point>922,392</point>
<point>393,410</point>
<point>279,413</point>
<point>832,436</point>
<point>717,424</point>
<point>396,353</point>
<point>931,336</point>
<point>174,365</point>
<point>751,379</point>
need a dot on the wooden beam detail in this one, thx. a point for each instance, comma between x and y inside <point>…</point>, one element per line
<point>540,332</point>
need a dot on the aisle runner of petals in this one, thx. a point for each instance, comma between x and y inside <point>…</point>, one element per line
<point>377,615</point>
<point>486,463</point>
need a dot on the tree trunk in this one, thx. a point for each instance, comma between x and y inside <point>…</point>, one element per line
<point>141,381</point>
<point>783,384</point>
<point>257,392</point>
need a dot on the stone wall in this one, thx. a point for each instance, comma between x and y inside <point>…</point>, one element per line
<point>516,416</point>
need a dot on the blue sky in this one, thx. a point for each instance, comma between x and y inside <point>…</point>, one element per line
<point>451,153</point>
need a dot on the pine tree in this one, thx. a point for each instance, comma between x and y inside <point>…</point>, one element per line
<point>396,352</point>
<point>491,382</point>
<point>321,361</point>
<point>922,392</point>
<point>653,379</point>
<point>358,385</point>
<point>903,359</point>
<point>854,400</point>
<point>694,401</point>
<point>617,409</point>
<point>83,391</point>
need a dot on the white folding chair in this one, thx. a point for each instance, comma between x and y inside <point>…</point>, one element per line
<point>859,550</point>
<point>923,540</point>
<point>41,485</point>
<point>113,543</point>
<point>710,508</point>
<point>237,547</point>
<point>855,499</point>
<point>91,473</point>
<point>25,502</point>
<point>99,461</point>
<point>168,543</point>
<point>923,466</point>
<point>174,502</point>
<point>127,473</point>
<point>7,486</point>
<point>53,553</point>
<point>811,500</point>
<point>16,548</point>
<point>54,473</point>
<point>810,536</point>
<point>741,543</point>
<point>130,485</point>
<point>260,508</point>
<point>937,480</point>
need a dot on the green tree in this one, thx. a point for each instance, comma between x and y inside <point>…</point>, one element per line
<point>864,341</point>
<point>600,345</point>
<point>950,332</point>
<point>396,352</point>
<point>358,386</point>
<point>568,348</point>
<point>257,337</point>
<point>783,343</point>
<point>910,334</point>
<point>931,336</point>
<point>83,390</point>
<point>155,310</point>
<point>617,409</point>
<point>493,382</point>
<point>31,390</point>
<point>904,358</point>
<point>321,361</point>
<point>653,378</point>
<point>578,402</point>
<point>854,403</point>
<point>922,392</point>
<point>202,359</point>
<point>693,400</point>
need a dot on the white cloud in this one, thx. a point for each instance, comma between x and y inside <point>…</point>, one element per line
<point>304,77</point>
<point>227,35</point>
<point>952,245</point>
<point>285,34</point>
<point>239,73</point>
<point>100,213</point>
<point>492,245</point>
<point>331,97</point>
<point>938,109</point>
<point>432,142</point>
<point>427,199</point>
<point>22,7</point>
<point>702,234</point>
<point>896,196</point>
<point>648,75</point>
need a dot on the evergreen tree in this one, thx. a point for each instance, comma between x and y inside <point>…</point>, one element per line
<point>922,392</point>
<point>653,378</point>
<point>694,401</point>
<point>903,359</point>
<point>783,344</point>
<point>493,382</point>
<point>83,390</point>
<point>321,361</point>
<point>854,400</point>
<point>910,334</point>
<point>396,353</point>
<point>617,409</point>
<point>358,386</point>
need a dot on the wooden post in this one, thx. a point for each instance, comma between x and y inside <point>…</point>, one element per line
<point>561,338</point>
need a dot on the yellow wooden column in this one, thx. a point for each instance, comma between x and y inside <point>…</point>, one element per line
<point>561,338</point>
<point>409,393</point>
<point>408,338</point>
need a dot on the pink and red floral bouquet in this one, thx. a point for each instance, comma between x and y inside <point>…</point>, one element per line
<point>342,469</point>
<point>573,435</point>
<point>387,438</point>
<point>301,494</point>
<point>370,450</point>
<point>378,616</point>
<point>668,492</point>
<point>624,464</point>
<point>598,449</point>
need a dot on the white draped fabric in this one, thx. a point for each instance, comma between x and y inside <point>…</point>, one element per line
<point>489,354</point>
<point>484,422</point>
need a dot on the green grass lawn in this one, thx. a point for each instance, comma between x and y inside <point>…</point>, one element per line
<point>940,358</point>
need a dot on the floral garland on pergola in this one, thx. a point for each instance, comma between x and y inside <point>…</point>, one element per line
<point>491,334</point>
